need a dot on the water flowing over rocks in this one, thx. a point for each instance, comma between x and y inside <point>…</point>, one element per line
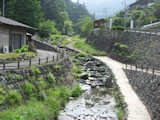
<point>95,103</point>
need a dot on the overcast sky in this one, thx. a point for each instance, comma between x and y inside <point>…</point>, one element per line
<point>103,8</point>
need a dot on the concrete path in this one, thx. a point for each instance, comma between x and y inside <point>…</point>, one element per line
<point>43,54</point>
<point>136,109</point>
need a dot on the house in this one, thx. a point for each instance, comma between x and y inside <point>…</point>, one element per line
<point>99,23</point>
<point>13,34</point>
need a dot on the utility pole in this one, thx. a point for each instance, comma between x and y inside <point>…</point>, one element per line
<point>125,11</point>
<point>3,8</point>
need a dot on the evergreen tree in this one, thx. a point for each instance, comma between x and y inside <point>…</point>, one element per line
<point>25,11</point>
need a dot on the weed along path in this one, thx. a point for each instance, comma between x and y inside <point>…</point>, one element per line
<point>136,109</point>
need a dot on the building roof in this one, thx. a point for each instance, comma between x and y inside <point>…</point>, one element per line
<point>100,20</point>
<point>7,21</point>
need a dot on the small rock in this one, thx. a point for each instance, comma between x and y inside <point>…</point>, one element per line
<point>84,76</point>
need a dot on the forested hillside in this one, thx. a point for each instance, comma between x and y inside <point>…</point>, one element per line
<point>141,16</point>
<point>62,14</point>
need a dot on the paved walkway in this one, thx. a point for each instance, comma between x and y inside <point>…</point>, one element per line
<point>136,109</point>
<point>43,54</point>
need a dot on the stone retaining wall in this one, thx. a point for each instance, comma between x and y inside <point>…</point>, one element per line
<point>42,45</point>
<point>147,87</point>
<point>144,46</point>
<point>64,66</point>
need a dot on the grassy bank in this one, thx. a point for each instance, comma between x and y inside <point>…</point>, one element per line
<point>80,43</point>
<point>39,98</point>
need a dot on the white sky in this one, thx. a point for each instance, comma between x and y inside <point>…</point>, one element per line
<point>103,8</point>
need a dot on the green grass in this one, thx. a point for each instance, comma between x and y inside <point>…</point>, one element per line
<point>120,111</point>
<point>16,55</point>
<point>33,110</point>
<point>80,43</point>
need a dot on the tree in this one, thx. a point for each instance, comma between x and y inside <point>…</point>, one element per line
<point>68,30</point>
<point>54,10</point>
<point>84,26</point>
<point>25,11</point>
<point>47,28</point>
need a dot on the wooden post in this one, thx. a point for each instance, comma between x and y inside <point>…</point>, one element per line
<point>57,57</point>
<point>18,64</point>
<point>142,67</point>
<point>4,66</point>
<point>39,61</point>
<point>153,71</point>
<point>47,59</point>
<point>30,62</point>
<point>53,58</point>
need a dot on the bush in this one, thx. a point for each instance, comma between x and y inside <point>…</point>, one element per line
<point>51,78</point>
<point>47,28</point>
<point>14,97</point>
<point>76,91</point>
<point>60,93</point>
<point>33,110</point>
<point>54,105</point>
<point>29,88</point>
<point>35,70</point>
<point>2,95</point>
<point>24,48</point>
<point>117,28</point>
<point>81,55</point>
<point>18,77</point>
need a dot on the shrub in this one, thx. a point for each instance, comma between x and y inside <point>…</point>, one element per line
<point>81,55</point>
<point>60,93</point>
<point>57,67</point>
<point>24,48</point>
<point>76,91</point>
<point>117,28</point>
<point>33,110</point>
<point>9,76</point>
<point>40,78</point>
<point>51,78</point>
<point>18,77</point>
<point>14,97</point>
<point>54,104</point>
<point>35,70</point>
<point>77,69</point>
<point>29,88</point>
<point>2,95</point>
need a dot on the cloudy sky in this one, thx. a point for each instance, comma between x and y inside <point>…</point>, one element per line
<point>103,8</point>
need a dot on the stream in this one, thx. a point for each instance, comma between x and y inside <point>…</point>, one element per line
<point>95,103</point>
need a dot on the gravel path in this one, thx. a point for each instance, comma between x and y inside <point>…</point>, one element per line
<point>136,109</point>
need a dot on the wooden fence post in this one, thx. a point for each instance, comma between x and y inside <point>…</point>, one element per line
<point>30,62</point>
<point>47,59</point>
<point>53,58</point>
<point>142,67</point>
<point>57,57</point>
<point>4,66</point>
<point>18,64</point>
<point>39,61</point>
<point>153,71</point>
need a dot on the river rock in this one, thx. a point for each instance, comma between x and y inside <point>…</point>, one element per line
<point>84,76</point>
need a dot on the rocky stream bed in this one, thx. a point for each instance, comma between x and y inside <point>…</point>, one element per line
<point>96,102</point>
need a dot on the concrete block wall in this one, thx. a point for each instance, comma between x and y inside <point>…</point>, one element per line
<point>144,46</point>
